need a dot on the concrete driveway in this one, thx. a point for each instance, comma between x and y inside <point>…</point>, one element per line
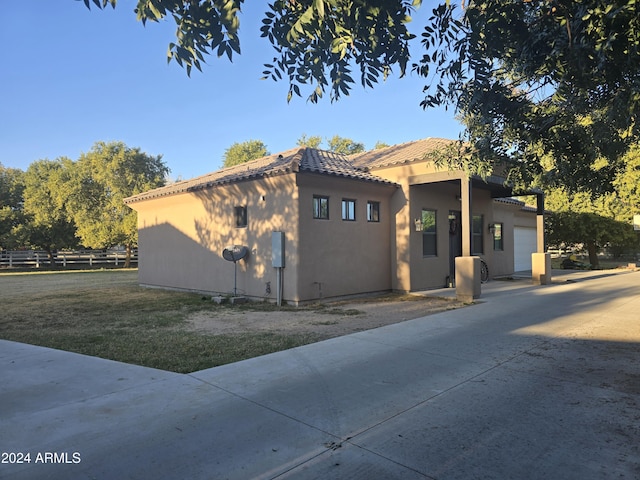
<point>530,383</point>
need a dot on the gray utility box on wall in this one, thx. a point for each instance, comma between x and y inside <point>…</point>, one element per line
<point>277,249</point>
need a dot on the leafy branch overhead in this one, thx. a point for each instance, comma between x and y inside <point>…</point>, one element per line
<point>320,42</point>
<point>202,28</point>
<point>316,41</point>
<point>549,87</point>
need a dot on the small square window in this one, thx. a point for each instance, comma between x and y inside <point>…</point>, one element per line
<point>373,211</point>
<point>348,209</point>
<point>321,207</point>
<point>241,216</point>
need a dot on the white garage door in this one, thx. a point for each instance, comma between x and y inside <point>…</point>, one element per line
<point>524,244</point>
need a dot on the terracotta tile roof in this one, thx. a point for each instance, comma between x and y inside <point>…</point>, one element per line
<point>295,160</point>
<point>330,163</point>
<point>399,154</point>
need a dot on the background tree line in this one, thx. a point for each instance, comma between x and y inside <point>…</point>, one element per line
<point>57,204</point>
<point>61,203</point>
<point>547,90</point>
<point>241,152</point>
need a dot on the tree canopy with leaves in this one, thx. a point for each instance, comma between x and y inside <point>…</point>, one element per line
<point>345,146</point>
<point>627,183</point>
<point>532,80</point>
<point>47,223</point>
<point>241,152</point>
<point>337,144</point>
<point>579,219</point>
<point>590,230</point>
<point>11,204</point>
<point>313,141</point>
<point>541,80</point>
<point>96,188</point>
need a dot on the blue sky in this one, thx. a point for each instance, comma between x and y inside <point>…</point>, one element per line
<point>71,77</point>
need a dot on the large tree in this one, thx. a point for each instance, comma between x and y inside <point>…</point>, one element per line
<point>313,141</point>
<point>11,204</point>
<point>621,204</point>
<point>47,223</point>
<point>589,230</point>
<point>95,191</point>
<point>241,152</point>
<point>536,80</point>
<point>336,144</point>
<point>345,146</point>
<point>578,218</point>
<point>627,183</point>
<point>531,79</point>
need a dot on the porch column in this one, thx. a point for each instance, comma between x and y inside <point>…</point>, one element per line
<point>540,222</point>
<point>467,232</point>
<point>540,261</point>
<point>467,267</point>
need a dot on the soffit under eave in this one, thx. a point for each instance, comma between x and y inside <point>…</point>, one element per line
<point>496,185</point>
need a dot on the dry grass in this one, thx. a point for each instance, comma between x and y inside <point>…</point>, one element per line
<point>106,314</point>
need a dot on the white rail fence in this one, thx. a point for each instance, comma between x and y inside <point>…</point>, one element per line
<point>40,258</point>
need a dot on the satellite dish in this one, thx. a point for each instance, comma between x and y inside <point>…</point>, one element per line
<point>235,252</point>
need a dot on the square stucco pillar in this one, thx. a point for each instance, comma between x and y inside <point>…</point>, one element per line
<point>540,261</point>
<point>541,268</point>
<point>467,279</point>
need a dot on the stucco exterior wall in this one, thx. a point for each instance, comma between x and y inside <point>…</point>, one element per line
<point>181,238</point>
<point>510,216</point>
<point>182,235</point>
<point>432,271</point>
<point>401,221</point>
<point>502,261</point>
<point>425,186</point>
<point>411,270</point>
<point>339,257</point>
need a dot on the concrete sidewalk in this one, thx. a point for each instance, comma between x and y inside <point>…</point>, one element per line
<point>532,382</point>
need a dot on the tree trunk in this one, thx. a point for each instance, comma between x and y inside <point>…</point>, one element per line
<point>127,258</point>
<point>593,254</point>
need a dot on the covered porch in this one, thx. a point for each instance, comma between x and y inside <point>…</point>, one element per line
<point>470,219</point>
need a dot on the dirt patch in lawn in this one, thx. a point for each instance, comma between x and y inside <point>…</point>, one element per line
<point>325,321</point>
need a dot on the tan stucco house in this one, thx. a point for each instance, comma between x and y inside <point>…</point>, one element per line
<point>378,221</point>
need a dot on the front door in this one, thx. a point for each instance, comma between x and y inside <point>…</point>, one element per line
<point>455,241</point>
